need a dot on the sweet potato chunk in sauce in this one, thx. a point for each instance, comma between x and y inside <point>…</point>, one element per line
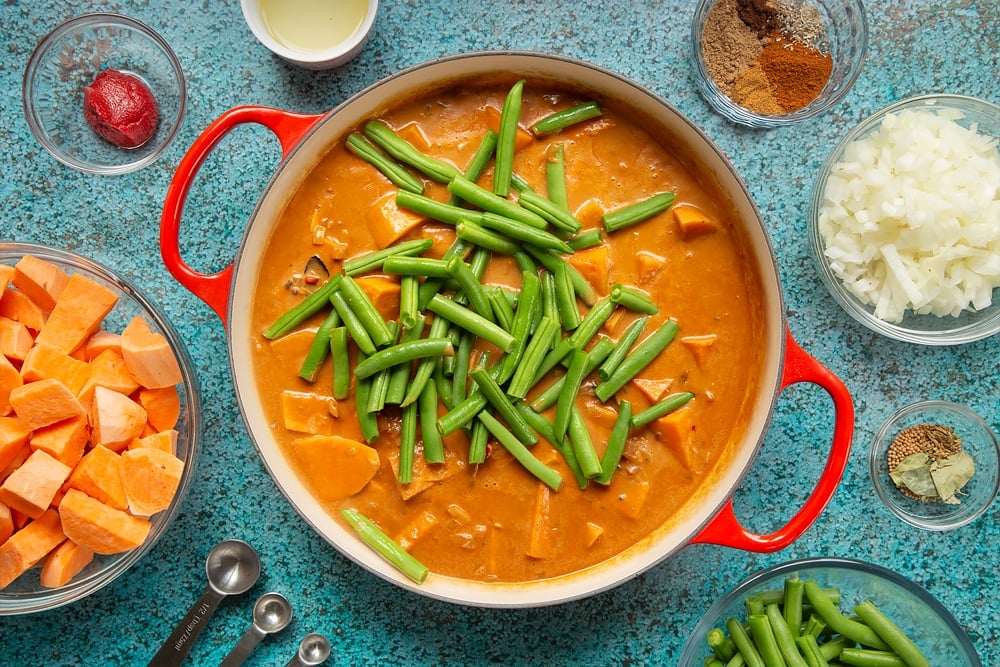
<point>491,522</point>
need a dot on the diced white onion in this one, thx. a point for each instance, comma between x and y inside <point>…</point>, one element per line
<point>910,217</point>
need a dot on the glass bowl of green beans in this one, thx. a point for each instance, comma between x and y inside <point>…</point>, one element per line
<point>842,605</point>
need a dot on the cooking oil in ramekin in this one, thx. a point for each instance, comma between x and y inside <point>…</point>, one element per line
<point>313,25</point>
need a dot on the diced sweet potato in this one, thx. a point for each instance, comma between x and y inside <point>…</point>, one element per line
<point>10,378</point>
<point>650,265</point>
<point>416,529</point>
<point>6,523</point>
<point>674,430</point>
<point>6,277</point>
<point>63,440</point>
<point>98,527</point>
<point>305,412</point>
<point>102,340</point>
<point>692,221</point>
<point>592,533</point>
<point>441,236</point>
<point>384,294</point>
<point>415,134</point>
<point>17,456</point>
<point>14,435</point>
<point>17,306</point>
<point>148,355</point>
<point>116,419</point>
<point>594,264</point>
<point>388,223</point>
<point>99,475</point>
<point>162,405</point>
<point>78,313</point>
<point>653,388</point>
<point>699,346</point>
<point>63,563</point>
<point>150,478</point>
<point>630,496</point>
<point>32,487</point>
<point>590,214</point>
<point>165,441</point>
<point>42,281</point>
<point>28,546</point>
<point>540,542</point>
<point>45,361</point>
<point>355,463</point>
<point>45,402</point>
<point>15,339</point>
<point>108,370</point>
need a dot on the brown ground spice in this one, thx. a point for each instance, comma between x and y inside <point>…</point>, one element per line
<point>797,72</point>
<point>728,45</point>
<point>761,16</point>
<point>753,91</point>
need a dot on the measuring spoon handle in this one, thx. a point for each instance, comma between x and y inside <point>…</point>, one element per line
<point>179,643</point>
<point>244,647</point>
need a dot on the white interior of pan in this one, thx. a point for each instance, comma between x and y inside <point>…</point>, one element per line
<point>606,575</point>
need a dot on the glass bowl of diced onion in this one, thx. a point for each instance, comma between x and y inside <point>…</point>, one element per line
<point>905,220</point>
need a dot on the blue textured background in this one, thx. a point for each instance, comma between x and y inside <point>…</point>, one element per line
<point>916,47</point>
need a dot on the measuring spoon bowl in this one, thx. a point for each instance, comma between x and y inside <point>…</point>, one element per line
<point>232,568</point>
<point>314,649</point>
<point>271,613</point>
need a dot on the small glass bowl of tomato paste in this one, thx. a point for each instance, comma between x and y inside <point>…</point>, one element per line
<point>69,59</point>
<point>52,566</point>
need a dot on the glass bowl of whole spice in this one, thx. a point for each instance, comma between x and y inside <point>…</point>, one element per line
<point>935,465</point>
<point>768,63</point>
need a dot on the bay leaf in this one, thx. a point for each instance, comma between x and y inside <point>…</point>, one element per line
<point>952,473</point>
<point>913,473</point>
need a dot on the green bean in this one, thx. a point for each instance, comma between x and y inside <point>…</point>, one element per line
<point>503,405</point>
<point>470,321</point>
<point>587,239</point>
<point>384,546</point>
<point>583,446</point>
<point>558,352</point>
<point>512,444</point>
<point>319,349</point>
<point>402,353</point>
<point>637,212</point>
<point>815,626</point>
<point>661,408</point>
<point>407,442</point>
<point>754,604</point>
<point>359,334</point>
<point>743,643</point>
<point>525,262</point>
<point>432,286</point>
<point>480,159</point>
<point>510,116</point>
<point>401,149</point>
<point>560,120</point>
<point>778,595</point>
<point>634,299</point>
<point>520,325</point>
<point>523,378</point>
<point>425,369</point>
<point>341,363</point>
<point>373,260</point>
<point>366,311</point>
<point>432,208</point>
<point>550,260</point>
<point>399,376</point>
<point>521,231</point>
<point>847,627</point>
<point>445,391</point>
<point>380,391</point>
<point>368,421</point>
<point>567,396</point>
<point>763,638</point>
<point>472,288</point>
<point>486,200</point>
<point>519,184</point>
<point>305,309</point>
<point>722,646</point>
<point>427,407</point>
<point>544,428</point>
<point>556,215</point>
<point>555,178</point>
<point>569,313</point>
<point>478,441</point>
<point>791,604</point>
<point>736,661</point>
<point>486,238</point>
<point>395,172</point>
<point>617,440</point>
<point>622,347</point>
<point>809,649</point>
<point>597,354</point>
<point>460,376</point>
<point>891,634</point>
<point>784,637</point>
<point>416,266</point>
<point>643,355</point>
<point>831,649</point>
<point>860,657</point>
<point>592,323</point>
<point>409,295</point>
<point>550,307</point>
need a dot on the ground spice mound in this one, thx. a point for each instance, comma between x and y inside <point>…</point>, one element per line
<point>797,71</point>
<point>761,16</point>
<point>728,45</point>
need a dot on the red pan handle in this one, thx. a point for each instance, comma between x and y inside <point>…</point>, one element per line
<point>725,529</point>
<point>214,288</point>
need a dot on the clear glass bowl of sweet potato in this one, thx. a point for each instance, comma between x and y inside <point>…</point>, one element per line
<point>99,426</point>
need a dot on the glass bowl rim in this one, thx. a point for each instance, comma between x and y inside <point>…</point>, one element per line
<point>42,49</point>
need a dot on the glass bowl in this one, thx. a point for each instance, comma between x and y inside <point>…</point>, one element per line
<point>68,59</point>
<point>925,620</point>
<point>977,439</point>
<point>924,329</point>
<point>26,594</point>
<point>846,38</point>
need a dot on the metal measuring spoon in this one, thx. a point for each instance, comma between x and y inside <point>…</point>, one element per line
<point>232,567</point>
<point>271,613</point>
<point>314,649</point>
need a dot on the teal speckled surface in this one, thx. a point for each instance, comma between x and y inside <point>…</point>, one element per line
<point>916,47</point>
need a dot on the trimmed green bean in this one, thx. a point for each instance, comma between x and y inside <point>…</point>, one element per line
<point>478,441</point>
<point>395,172</point>
<point>416,266</point>
<point>488,201</point>
<point>587,239</point>
<point>550,307</point>
<point>341,363</point>
<point>386,547</point>
<point>661,408</point>
<point>556,215</point>
<point>791,605</point>
<point>486,238</point>
<point>432,208</point>
<point>567,396</point>
<point>538,347</point>
<point>754,604</point>
<point>809,649</point>
<point>569,312</point>
<point>380,391</point>
<point>784,637</point>
<point>388,140</point>
<point>460,375</point>
<point>643,355</point>
<point>510,116</point>
<point>550,259</point>
<point>512,444</point>
<point>399,375</point>
<point>520,184</point>
<point>503,405</point>
<point>319,349</point>
<point>622,347</point>
<point>520,327</point>
<point>409,422</point>
<point>503,312</point>
<point>470,321</point>
<point>525,262</point>
<point>583,446</point>
<point>409,296</point>
<point>480,160</point>
<point>366,311</point>
<point>847,627</point>
<point>425,368</point>
<point>359,334</point>
<point>763,638</point>
<point>544,429</point>
<point>555,177</point>
<point>862,657</point>
<point>722,646</point>
<point>597,354</point>
<point>564,118</point>
<point>632,214</point>
<point>373,260</point>
<point>634,299</point>
<point>831,649</point>
<point>743,643</point>
<point>432,286</point>
<point>617,440</point>
<point>368,421</point>
<point>427,407</point>
<point>891,634</point>
<point>305,309</point>
<point>473,289</point>
<point>521,231</point>
<point>402,353</point>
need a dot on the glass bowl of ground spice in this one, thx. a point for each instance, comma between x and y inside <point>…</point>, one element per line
<point>768,63</point>
<point>935,465</point>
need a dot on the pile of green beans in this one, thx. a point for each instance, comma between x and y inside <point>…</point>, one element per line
<point>440,375</point>
<point>801,625</point>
